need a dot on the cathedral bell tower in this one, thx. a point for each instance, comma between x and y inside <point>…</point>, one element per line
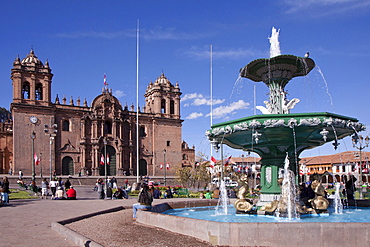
<point>162,98</point>
<point>31,81</point>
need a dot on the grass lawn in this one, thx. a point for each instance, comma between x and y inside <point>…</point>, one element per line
<point>21,194</point>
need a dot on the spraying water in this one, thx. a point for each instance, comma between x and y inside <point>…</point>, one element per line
<point>274,43</point>
<point>337,201</point>
<point>326,86</point>
<point>223,201</point>
<point>288,194</point>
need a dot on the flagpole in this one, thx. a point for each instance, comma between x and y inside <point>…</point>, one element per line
<point>211,88</point>
<point>137,102</point>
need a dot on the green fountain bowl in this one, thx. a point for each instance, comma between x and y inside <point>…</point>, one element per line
<point>272,135</point>
<point>280,67</point>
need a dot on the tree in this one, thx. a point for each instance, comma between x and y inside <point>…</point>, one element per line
<point>184,175</point>
<point>4,114</point>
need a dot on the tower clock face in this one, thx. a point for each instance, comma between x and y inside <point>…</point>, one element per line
<point>33,119</point>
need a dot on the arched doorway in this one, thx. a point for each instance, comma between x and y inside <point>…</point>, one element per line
<point>143,170</point>
<point>67,166</point>
<point>110,161</point>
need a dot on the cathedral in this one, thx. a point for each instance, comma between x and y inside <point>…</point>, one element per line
<point>70,138</point>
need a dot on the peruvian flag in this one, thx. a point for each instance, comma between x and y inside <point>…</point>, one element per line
<point>105,80</point>
<point>102,160</point>
<point>108,161</point>
<point>37,161</point>
<point>167,166</point>
<point>239,168</point>
<point>227,161</point>
<point>213,161</point>
<point>246,169</point>
<point>161,166</point>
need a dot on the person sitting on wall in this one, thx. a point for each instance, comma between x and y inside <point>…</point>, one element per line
<point>208,195</point>
<point>145,200</point>
<point>157,193</point>
<point>71,193</point>
<point>168,192</point>
<point>216,193</point>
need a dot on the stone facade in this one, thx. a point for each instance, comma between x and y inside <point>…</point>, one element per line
<point>74,138</point>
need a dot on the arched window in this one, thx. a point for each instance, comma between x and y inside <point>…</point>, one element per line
<point>107,127</point>
<point>172,107</point>
<point>38,91</point>
<point>163,106</point>
<point>65,125</point>
<point>26,90</point>
<point>184,157</point>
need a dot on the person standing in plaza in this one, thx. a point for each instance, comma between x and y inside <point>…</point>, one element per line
<point>145,200</point>
<point>20,175</point>
<point>44,188</point>
<point>5,185</point>
<point>113,181</point>
<point>67,184</point>
<point>53,187</point>
<point>100,186</point>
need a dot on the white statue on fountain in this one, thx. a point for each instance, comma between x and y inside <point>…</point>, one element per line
<point>273,108</point>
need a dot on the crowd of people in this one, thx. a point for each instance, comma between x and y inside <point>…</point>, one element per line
<point>111,191</point>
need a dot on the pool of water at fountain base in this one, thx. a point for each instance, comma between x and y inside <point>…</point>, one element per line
<point>208,213</point>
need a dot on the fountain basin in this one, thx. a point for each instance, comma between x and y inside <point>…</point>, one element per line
<point>272,136</point>
<point>282,66</point>
<point>254,233</point>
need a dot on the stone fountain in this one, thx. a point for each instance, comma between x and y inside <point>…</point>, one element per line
<point>278,133</point>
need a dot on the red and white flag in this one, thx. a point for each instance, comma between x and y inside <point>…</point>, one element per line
<point>167,166</point>
<point>161,166</point>
<point>213,161</point>
<point>37,161</point>
<point>108,161</point>
<point>239,168</point>
<point>227,161</point>
<point>102,160</point>
<point>105,80</point>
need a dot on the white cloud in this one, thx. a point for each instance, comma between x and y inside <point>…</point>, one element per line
<point>225,111</point>
<point>326,7</point>
<point>204,101</point>
<point>194,115</point>
<point>204,53</point>
<point>191,96</point>
<point>119,93</point>
<point>157,33</point>
<point>198,99</point>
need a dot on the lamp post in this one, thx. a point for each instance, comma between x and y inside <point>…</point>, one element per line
<point>105,167</point>
<point>51,131</point>
<point>33,137</point>
<point>40,166</point>
<point>165,166</point>
<point>358,142</point>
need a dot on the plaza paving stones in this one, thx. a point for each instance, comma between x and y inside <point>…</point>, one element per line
<point>28,222</point>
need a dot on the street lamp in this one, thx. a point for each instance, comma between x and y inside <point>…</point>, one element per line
<point>165,166</point>
<point>358,142</point>
<point>105,167</point>
<point>33,137</point>
<point>52,133</point>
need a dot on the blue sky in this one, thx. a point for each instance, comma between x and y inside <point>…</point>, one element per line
<point>82,40</point>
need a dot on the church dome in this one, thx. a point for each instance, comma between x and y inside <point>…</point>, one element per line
<point>31,59</point>
<point>162,79</point>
